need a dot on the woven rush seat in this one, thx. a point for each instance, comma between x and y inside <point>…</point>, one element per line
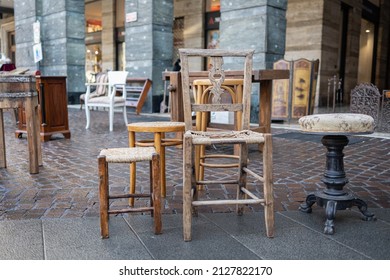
<point>129,155</point>
<point>341,123</point>
<point>228,137</point>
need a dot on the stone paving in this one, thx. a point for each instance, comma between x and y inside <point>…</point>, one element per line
<point>67,185</point>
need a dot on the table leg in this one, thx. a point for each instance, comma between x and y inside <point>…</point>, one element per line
<point>265,100</point>
<point>160,149</point>
<point>3,160</point>
<point>32,135</point>
<point>132,169</point>
<point>265,106</point>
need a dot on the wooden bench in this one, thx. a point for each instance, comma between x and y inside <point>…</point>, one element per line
<point>137,91</point>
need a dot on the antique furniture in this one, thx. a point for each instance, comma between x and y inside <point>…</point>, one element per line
<point>335,128</point>
<point>242,137</point>
<point>53,108</point>
<point>294,97</point>
<point>366,99</point>
<point>129,155</point>
<point>263,77</point>
<point>19,92</point>
<point>137,91</point>
<point>159,142</point>
<point>116,80</point>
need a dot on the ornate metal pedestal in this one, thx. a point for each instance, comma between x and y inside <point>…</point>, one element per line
<point>334,198</point>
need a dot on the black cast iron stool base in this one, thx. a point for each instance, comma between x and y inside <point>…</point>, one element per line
<point>334,198</point>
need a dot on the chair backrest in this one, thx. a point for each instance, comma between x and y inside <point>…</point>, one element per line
<point>101,88</point>
<point>365,99</point>
<point>117,77</point>
<point>215,101</point>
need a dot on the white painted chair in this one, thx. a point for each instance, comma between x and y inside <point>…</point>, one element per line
<point>116,81</point>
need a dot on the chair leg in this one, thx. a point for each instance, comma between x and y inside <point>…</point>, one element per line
<point>3,158</point>
<point>156,194</point>
<point>268,185</point>
<point>88,115</point>
<point>242,183</point>
<point>133,180</point>
<point>103,195</point>
<point>111,117</point>
<point>187,200</point>
<point>125,114</point>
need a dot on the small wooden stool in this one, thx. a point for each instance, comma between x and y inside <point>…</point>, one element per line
<point>129,155</point>
<point>159,129</point>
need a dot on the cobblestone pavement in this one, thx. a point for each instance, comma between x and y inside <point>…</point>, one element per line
<point>67,185</point>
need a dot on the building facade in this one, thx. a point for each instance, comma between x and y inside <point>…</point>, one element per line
<point>349,37</point>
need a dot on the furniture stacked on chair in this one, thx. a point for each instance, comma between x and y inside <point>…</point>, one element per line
<point>335,129</point>
<point>116,80</point>
<point>159,129</point>
<point>53,108</point>
<point>242,137</point>
<point>137,91</point>
<point>202,93</point>
<point>18,91</point>
<point>128,156</point>
<point>100,87</point>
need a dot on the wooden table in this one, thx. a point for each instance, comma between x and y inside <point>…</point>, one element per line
<point>16,92</point>
<point>263,77</point>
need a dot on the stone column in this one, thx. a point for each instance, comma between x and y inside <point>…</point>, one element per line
<point>108,35</point>
<point>258,25</point>
<point>149,44</point>
<point>255,24</point>
<point>62,38</point>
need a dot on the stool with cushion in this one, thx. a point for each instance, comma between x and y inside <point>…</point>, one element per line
<point>335,129</point>
<point>129,155</point>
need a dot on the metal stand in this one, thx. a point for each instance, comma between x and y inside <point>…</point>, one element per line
<point>334,197</point>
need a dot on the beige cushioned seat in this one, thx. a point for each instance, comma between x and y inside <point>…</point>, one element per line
<point>341,123</point>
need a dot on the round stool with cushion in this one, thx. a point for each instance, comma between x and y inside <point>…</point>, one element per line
<point>336,128</point>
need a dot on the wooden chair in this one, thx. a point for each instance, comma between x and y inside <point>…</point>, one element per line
<point>129,155</point>
<point>242,137</point>
<point>116,79</point>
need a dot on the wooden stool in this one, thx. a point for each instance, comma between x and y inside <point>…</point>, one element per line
<point>159,129</point>
<point>129,155</point>
<point>203,91</point>
<point>335,129</point>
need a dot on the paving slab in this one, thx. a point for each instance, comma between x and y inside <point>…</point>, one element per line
<point>79,239</point>
<point>209,242</point>
<point>21,240</point>
<point>292,240</point>
<point>367,238</point>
